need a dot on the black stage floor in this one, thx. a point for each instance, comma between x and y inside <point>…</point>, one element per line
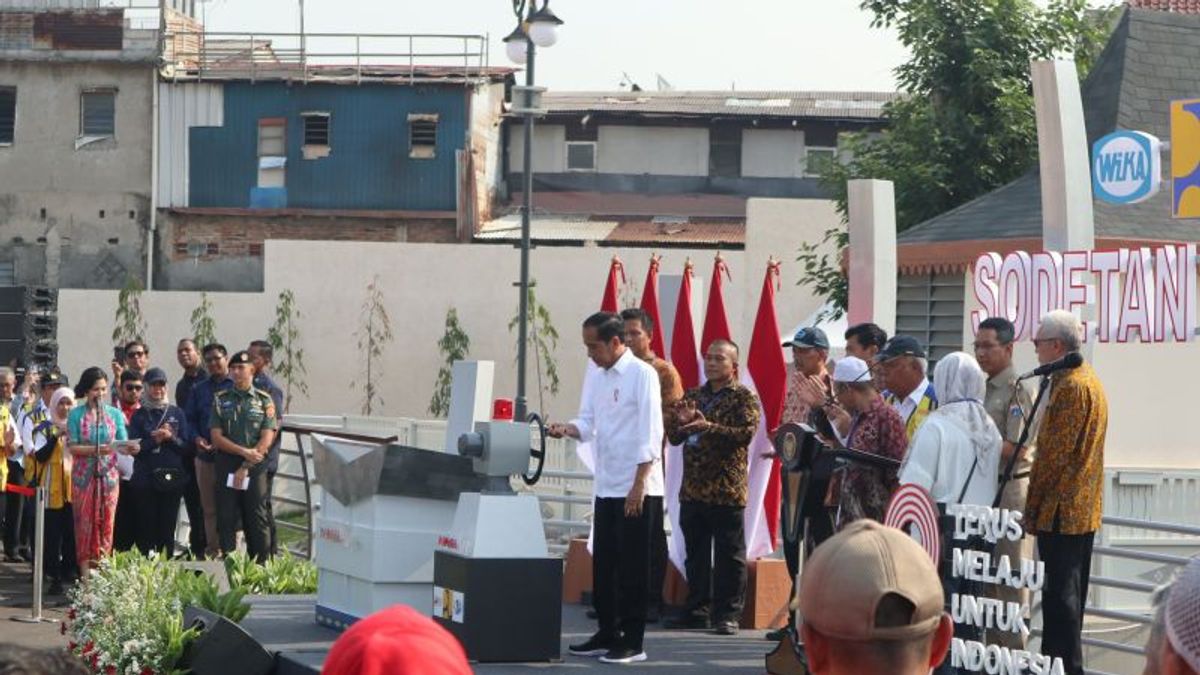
<point>285,624</point>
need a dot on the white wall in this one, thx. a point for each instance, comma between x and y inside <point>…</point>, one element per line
<point>549,149</point>
<point>772,153</point>
<point>420,282</point>
<point>662,151</point>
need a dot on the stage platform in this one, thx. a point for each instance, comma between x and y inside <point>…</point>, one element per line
<point>285,624</point>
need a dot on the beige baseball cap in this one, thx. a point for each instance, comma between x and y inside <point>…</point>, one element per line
<point>848,575</point>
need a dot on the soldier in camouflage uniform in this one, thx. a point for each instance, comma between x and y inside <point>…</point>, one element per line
<point>243,428</point>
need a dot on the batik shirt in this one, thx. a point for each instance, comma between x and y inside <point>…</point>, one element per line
<point>859,490</point>
<point>715,460</point>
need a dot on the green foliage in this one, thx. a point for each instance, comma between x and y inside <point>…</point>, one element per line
<point>129,324</point>
<point>542,341</point>
<point>373,334</point>
<point>204,327</point>
<point>201,591</point>
<point>284,336</point>
<point>281,575</point>
<point>966,123</point>
<point>453,346</point>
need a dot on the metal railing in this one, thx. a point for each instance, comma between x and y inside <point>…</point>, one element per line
<point>340,56</point>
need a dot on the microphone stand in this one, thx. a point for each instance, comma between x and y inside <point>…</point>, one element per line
<point>1043,386</point>
<point>98,477</point>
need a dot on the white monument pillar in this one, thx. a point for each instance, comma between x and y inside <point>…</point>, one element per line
<point>1067,223</point>
<point>872,207</point>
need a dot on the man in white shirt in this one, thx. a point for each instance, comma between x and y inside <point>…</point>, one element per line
<point>620,414</point>
<point>902,367</point>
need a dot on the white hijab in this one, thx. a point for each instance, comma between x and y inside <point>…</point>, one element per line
<point>961,385</point>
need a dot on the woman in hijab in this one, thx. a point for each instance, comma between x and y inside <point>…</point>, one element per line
<point>93,426</point>
<point>955,455</point>
<point>52,471</point>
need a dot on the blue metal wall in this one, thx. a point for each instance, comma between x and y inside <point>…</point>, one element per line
<point>368,166</point>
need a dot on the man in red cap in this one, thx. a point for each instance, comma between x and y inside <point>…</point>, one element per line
<point>396,641</point>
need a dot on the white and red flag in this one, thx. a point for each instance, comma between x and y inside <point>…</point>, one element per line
<point>766,374</point>
<point>612,289</point>
<point>685,356</point>
<point>716,323</point>
<point>650,306</point>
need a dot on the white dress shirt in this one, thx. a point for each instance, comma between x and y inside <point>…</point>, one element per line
<point>620,414</point>
<point>908,405</point>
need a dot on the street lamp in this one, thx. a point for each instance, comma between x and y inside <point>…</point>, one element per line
<point>536,27</point>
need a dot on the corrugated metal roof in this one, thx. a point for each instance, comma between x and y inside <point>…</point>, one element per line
<point>691,231</point>
<point>865,105</point>
<point>547,228</point>
<point>1182,6</point>
<point>6,5</point>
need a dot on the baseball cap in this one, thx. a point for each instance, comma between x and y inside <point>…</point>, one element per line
<point>1183,615</point>
<point>852,572</point>
<point>901,345</point>
<point>53,379</point>
<point>808,338</point>
<point>396,641</point>
<point>155,375</point>
<point>240,358</point>
<point>851,369</point>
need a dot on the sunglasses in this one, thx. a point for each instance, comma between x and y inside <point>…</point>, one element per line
<point>133,387</point>
<point>134,355</point>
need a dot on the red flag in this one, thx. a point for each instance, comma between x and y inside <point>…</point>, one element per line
<point>684,355</point>
<point>768,376</point>
<point>716,325</point>
<point>650,306</point>
<point>609,303</point>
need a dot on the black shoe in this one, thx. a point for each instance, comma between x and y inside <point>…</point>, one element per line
<point>726,628</point>
<point>25,554</point>
<point>623,655</point>
<point>597,645</point>
<point>778,634</point>
<point>686,622</point>
<point>593,614</point>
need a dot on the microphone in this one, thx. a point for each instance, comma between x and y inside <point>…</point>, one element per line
<point>1069,362</point>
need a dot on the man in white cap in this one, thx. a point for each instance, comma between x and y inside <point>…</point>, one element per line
<point>864,422</point>
<point>1174,645</point>
<point>871,602</point>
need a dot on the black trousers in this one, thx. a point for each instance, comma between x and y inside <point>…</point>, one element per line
<point>274,538</point>
<point>197,542</point>
<point>16,532</point>
<point>125,523</point>
<point>157,515</point>
<point>658,566</point>
<point>250,506</point>
<point>59,551</point>
<point>715,539</point>
<point>1068,560</point>
<point>621,567</point>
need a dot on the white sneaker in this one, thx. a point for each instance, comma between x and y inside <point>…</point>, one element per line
<point>623,655</point>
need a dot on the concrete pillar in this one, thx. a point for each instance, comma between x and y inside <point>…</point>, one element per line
<point>1067,223</point>
<point>873,269</point>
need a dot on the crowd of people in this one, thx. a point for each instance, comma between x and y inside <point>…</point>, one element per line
<point>958,434</point>
<point>117,455</point>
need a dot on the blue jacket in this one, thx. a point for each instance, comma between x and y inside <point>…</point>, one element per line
<point>199,410</point>
<point>153,455</point>
<point>265,383</point>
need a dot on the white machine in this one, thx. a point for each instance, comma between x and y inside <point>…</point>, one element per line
<point>442,531</point>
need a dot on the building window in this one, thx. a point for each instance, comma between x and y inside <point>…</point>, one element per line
<point>316,135</point>
<point>581,156</point>
<point>255,249</point>
<point>816,160</point>
<point>8,273</point>
<point>422,136</point>
<point>929,307</point>
<point>725,151</point>
<point>8,114</point>
<point>97,113</point>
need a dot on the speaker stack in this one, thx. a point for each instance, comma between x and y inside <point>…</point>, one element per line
<point>28,326</point>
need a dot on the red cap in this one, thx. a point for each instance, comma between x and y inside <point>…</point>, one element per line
<point>502,410</point>
<point>396,641</point>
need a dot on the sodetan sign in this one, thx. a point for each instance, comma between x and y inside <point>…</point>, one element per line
<point>1139,294</point>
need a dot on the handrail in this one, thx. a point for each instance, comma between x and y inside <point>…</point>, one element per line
<point>1151,525</point>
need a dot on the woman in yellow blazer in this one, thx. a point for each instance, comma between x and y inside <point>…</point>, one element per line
<point>53,472</point>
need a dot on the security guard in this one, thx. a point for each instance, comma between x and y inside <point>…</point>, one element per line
<point>243,427</point>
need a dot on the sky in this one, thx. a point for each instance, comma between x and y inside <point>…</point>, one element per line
<point>692,44</point>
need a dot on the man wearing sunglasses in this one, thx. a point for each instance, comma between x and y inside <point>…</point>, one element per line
<point>129,399</point>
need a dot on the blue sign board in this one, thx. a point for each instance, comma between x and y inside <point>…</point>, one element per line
<point>1126,167</point>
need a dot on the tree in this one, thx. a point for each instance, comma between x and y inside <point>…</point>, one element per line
<point>453,346</point>
<point>542,341</point>
<point>129,324</point>
<point>966,123</point>
<point>284,337</point>
<point>373,334</point>
<point>204,327</point>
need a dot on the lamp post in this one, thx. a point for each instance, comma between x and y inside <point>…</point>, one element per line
<point>536,27</point>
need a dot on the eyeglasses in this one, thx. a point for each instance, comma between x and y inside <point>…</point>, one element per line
<point>133,387</point>
<point>1037,342</point>
<point>134,355</point>
<point>981,346</point>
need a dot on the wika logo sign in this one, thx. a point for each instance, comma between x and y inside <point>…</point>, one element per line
<point>1126,167</point>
